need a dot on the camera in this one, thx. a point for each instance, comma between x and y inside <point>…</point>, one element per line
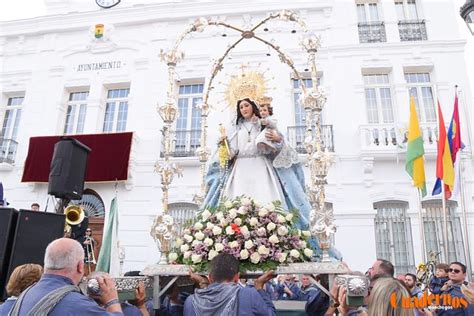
<point>357,287</point>
<point>93,288</point>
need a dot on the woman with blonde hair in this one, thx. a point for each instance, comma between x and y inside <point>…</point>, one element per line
<point>21,278</point>
<point>386,298</point>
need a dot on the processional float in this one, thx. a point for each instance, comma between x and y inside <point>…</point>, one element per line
<point>163,230</point>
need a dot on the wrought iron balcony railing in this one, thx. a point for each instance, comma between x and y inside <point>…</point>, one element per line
<point>372,32</point>
<point>183,143</point>
<point>414,30</point>
<point>296,135</point>
<point>8,150</point>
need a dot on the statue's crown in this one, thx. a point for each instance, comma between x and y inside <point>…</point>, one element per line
<point>246,89</point>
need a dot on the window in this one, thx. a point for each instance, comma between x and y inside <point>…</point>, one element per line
<point>76,113</point>
<point>406,10</point>
<point>188,123</point>
<point>182,213</point>
<point>434,228</point>
<point>393,235</point>
<point>11,122</point>
<point>116,110</point>
<point>92,204</point>
<point>419,86</point>
<point>378,99</point>
<point>367,12</point>
<point>296,134</point>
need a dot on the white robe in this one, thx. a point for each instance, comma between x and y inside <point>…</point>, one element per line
<point>252,174</point>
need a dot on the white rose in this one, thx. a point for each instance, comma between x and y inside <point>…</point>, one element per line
<point>196,258</point>
<point>244,254</point>
<point>242,210</point>
<point>261,231</point>
<point>223,222</point>
<point>228,204</point>
<point>198,226</point>
<point>281,219</point>
<point>187,254</point>
<point>257,204</point>
<point>295,253</point>
<point>217,230</point>
<point>178,242</point>
<point>282,230</point>
<point>219,215</point>
<point>188,238</point>
<point>205,215</point>
<point>263,250</point>
<point>208,242</point>
<point>232,213</point>
<point>212,253</point>
<point>234,244</point>
<point>263,212</point>
<point>255,258</point>
<point>209,225</point>
<point>308,252</point>
<point>282,257</point>
<point>302,244</point>
<point>248,244</point>
<point>218,246</point>
<point>271,226</point>
<point>273,239</point>
<point>289,217</point>
<point>229,230</point>
<point>270,207</point>
<point>172,257</point>
<point>246,201</point>
<point>306,233</point>
<point>253,221</point>
<point>195,242</point>
<point>238,221</point>
<point>245,231</point>
<point>184,248</point>
<point>199,235</point>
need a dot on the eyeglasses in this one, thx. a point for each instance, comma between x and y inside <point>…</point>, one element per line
<point>455,270</point>
<point>88,231</point>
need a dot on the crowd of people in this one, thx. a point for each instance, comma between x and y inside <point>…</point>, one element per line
<point>54,290</point>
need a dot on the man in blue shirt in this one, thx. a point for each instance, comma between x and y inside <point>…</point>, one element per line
<point>56,293</point>
<point>456,274</point>
<point>224,297</point>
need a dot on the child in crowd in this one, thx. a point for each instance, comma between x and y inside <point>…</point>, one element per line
<point>268,124</point>
<point>440,278</point>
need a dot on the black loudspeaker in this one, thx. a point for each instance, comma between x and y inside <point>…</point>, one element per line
<point>8,218</point>
<point>34,231</point>
<point>68,169</point>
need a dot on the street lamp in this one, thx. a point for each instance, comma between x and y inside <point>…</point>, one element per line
<point>467,14</point>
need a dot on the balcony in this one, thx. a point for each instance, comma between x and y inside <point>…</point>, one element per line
<point>387,138</point>
<point>183,143</point>
<point>412,30</point>
<point>296,135</point>
<point>8,150</point>
<point>372,32</point>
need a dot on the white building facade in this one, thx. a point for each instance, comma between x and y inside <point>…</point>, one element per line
<point>57,78</point>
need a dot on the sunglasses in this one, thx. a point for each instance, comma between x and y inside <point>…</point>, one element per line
<point>455,270</point>
<point>88,231</point>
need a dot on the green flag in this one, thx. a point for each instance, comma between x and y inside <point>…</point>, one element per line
<point>108,256</point>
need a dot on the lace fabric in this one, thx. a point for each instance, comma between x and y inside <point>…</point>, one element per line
<point>286,158</point>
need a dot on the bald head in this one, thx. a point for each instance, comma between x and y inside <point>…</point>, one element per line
<point>63,254</point>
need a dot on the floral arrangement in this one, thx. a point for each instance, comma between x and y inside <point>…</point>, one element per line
<point>261,237</point>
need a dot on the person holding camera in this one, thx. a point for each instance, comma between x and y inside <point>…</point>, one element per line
<point>57,292</point>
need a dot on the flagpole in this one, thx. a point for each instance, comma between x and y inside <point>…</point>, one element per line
<point>445,223</point>
<point>422,228</point>
<point>467,247</point>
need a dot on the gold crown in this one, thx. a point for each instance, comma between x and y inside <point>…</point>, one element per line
<point>265,100</point>
<point>249,84</point>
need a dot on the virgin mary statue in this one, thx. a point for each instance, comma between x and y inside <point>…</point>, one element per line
<point>264,177</point>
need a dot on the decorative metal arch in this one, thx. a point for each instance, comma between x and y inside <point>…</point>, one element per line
<point>92,203</point>
<point>318,161</point>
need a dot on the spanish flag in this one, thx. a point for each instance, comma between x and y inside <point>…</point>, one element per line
<point>444,162</point>
<point>415,165</point>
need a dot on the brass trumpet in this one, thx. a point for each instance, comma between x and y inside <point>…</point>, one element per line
<point>74,216</point>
